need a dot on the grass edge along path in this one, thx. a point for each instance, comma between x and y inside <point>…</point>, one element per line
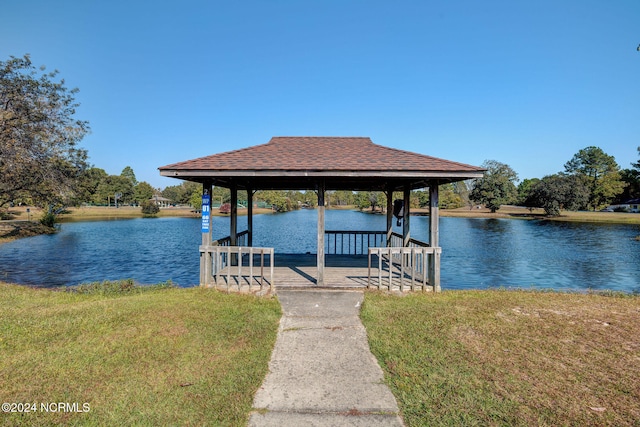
<point>514,358</point>
<point>169,356</point>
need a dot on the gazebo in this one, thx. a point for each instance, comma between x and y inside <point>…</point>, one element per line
<point>322,164</point>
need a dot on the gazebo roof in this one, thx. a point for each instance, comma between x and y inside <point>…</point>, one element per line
<point>350,163</point>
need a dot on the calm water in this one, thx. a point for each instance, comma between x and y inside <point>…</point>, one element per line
<point>477,253</point>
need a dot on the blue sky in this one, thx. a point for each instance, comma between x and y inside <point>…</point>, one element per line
<point>527,83</point>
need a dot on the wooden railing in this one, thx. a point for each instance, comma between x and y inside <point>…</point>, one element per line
<point>240,267</point>
<point>404,267</point>
<point>339,242</point>
<point>414,267</point>
<point>397,241</point>
<point>241,240</point>
<point>350,242</point>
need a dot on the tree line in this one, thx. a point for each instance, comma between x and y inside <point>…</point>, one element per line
<point>42,164</point>
<point>591,180</point>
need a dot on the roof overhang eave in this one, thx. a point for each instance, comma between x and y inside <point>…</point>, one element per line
<point>203,174</point>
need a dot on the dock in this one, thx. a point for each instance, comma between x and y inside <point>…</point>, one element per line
<point>299,271</point>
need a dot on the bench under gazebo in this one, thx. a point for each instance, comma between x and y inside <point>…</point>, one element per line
<point>382,258</point>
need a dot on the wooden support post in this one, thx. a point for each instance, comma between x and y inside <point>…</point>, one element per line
<point>321,192</point>
<point>434,236</point>
<point>389,194</point>
<point>233,232</point>
<point>206,263</point>
<point>406,230</point>
<point>250,217</point>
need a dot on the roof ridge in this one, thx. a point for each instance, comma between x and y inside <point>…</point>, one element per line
<point>320,138</point>
<point>310,136</point>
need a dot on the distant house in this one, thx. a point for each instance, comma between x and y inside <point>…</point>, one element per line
<point>632,205</point>
<point>225,208</point>
<point>162,202</point>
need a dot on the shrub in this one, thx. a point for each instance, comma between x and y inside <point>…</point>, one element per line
<point>149,208</point>
<point>48,219</point>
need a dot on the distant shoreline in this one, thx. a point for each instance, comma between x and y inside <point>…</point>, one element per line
<point>21,227</point>
<point>26,224</point>
<point>517,212</point>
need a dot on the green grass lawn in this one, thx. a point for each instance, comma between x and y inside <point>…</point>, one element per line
<point>509,358</point>
<point>162,357</point>
<point>171,356</point>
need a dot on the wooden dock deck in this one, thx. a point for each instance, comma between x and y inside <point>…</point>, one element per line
<point>299,271</point>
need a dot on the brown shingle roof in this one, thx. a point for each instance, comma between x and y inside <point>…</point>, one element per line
<point>305,162</point>
<point>326,154</point>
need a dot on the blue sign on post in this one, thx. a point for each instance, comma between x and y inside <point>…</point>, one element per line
<point>206,212</point>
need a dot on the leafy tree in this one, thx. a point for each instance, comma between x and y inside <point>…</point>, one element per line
<point>631,177</point>
<point>173,193</point>
<point>143,191</point>
<point>193,192</point>
<point>39,136</point>
<point>461,188</point>
<point>341,198</point>
<point>600,172</point>
<point>414,199</point>
<point>88,183</point>
<point>448,198</point>
<point>295,199</point>
<point>556,192</point>
<point>127,173</point>
<point>497,186</point>
<point>524,190</point>
<point>636,165</point>
<point>451,196</point>
<point>277,199</point>
<point>329,197</point>
<point>423,198</point>
<point>195,201</point>
<point>362,200</point>
<point>181,194</point>
<point>370,199</point>
<point>632,180</point>
<point>310,198</point>
<point>112,185</point>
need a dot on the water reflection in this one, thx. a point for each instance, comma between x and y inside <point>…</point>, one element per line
<point>539,254</point>
<point>148,250</point>
<point>477,253</point>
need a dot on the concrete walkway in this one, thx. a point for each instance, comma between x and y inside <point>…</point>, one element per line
<point>321,371</point>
